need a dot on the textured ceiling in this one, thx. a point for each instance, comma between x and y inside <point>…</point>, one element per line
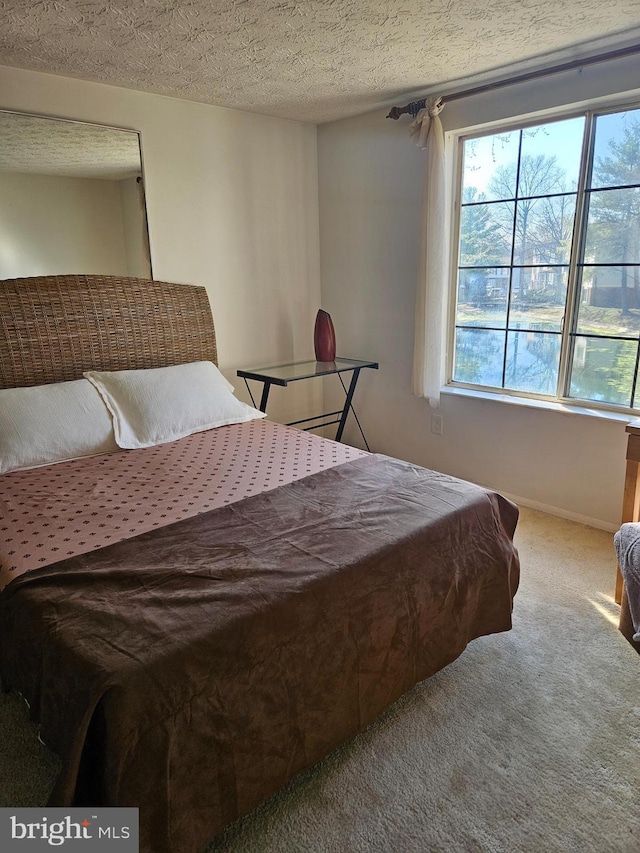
<point>311,60</point>
<point>48,147</point>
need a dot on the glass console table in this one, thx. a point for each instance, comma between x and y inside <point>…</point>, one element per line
<point>283,374</point>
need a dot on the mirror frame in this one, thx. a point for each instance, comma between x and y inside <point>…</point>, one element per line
<point>142,178</point>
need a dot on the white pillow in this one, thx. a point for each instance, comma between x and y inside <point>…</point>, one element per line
<point>50,423</point>
<point>162,404</point>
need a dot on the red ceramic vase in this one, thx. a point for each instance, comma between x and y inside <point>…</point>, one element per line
<point>324,337</point>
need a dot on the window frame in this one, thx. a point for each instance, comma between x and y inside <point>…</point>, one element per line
<point>568,333</point>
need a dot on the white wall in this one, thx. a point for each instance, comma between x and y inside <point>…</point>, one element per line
<point>370,177</point>
<point>51,225</point>
<point>232,204</point>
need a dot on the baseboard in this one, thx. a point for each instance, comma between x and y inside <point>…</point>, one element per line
<point>562,513</point>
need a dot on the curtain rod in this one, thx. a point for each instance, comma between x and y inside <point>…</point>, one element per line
<point>415,106</point>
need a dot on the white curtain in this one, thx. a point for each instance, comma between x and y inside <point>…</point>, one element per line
<point>430,344</point>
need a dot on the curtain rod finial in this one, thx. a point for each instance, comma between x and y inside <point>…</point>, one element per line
<point>413,109</point>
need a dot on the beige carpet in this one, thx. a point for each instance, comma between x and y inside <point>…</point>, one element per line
<point>529,742</point>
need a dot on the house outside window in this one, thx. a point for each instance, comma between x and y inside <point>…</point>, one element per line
<point>548,273</point>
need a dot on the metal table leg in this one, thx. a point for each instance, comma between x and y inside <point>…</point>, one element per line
<point>347,403</point>
<point>265,396</point>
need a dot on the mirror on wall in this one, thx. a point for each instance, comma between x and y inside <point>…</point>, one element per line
<point>71,199</point>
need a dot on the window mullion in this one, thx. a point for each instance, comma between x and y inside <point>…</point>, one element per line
<point>577,247</point>
<point>513,250</point>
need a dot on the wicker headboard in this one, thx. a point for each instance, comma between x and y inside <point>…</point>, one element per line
<point>54,327</point>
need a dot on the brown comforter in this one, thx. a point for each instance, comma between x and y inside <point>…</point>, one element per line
<point>193,670</point>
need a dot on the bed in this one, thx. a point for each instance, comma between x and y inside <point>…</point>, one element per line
<point>226,609</point>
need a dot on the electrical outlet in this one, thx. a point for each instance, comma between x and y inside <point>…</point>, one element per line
<point>437,423</point>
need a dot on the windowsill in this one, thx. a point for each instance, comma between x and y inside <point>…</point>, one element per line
<point>547,405</point>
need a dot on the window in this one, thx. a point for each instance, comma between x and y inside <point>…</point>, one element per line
<point>548,281</point>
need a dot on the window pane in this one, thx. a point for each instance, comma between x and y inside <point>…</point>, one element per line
<point>603,370</point>
<point>532,362</point>
<point>486,232</point>
<point>616,160</point>
<point>538,298</point>
<point>488,167</point>
<point>482,297</point>
<point>518,215</point>
<point>613,227</point>
<point>610,301</point>
<point>478,357</point>
<point>550,159</point>
<point>544,227</point>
